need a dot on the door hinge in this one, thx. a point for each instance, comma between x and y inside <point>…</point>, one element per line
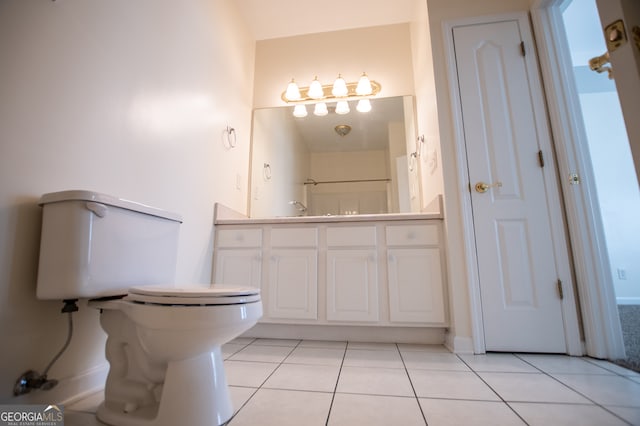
<point>560,292</point>
<point>541,158</point>
<point>522,50</point>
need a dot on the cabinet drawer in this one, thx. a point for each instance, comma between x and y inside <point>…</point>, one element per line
<point>412,235</point>
<point>239,238</point>
<point>294,237</point>
<point>346,236</point>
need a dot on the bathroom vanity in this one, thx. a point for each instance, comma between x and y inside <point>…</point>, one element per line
<point>383,271</point>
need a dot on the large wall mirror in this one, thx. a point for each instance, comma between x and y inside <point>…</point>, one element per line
<point>337,164</point>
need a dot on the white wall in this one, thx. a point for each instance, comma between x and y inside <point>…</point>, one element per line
<point>126,98</point>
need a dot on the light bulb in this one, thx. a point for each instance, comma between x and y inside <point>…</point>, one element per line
<point>364,105</point>
<point>364,86</point>
<point>315,89</point>
<point>300,111</point>
<point>320,109</point>
<point>342,107</point>
<point>340,87</point>
<point>293,92</point>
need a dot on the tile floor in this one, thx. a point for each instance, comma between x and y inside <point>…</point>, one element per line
<point>293,382</point>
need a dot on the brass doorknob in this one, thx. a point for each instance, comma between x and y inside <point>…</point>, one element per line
<point>482,187</point>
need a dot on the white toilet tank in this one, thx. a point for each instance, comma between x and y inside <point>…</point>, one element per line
<point>96,245</point>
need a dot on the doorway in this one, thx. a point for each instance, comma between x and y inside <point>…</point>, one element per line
<point>607,145</point>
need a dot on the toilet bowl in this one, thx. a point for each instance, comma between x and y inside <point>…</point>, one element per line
<point>163,339</point>
<point>172,338</point>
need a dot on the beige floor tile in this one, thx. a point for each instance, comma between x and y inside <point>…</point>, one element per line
<point>239,396</point>
<point>316,356</point>
<point>329,344</point>
<point>565,415</point>
<point>271,407</point>
<point>322,378</point>
<point>448,412</point>
<point>433,361</point>
<point>276,342</point>
<point>563,364</point>
<point>605,390</point>
<point>374,381</point>
<point>259,353</point>
<point>373,358</point>
<point>505,363</point>
<point>525,387</point>
<point>250,374</point>
<point>450,385</point>
<point>372,410</point>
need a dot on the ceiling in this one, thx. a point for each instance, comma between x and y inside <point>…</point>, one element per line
<point>285,18</point>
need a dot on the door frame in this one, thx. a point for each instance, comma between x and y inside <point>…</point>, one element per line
<point>554,200</point>
<point>601,323</point>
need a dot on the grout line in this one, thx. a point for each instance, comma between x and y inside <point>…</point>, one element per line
<point>265,380</point>
<point>492,389</point>
<point>572,389</point>
<point>415,394</point>
<point>335,388</point>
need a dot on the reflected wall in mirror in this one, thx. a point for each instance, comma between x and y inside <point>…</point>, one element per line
<point>303,166</point>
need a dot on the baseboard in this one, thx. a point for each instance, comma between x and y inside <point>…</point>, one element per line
<point>628,300</point>
<point>423,335</point>
<point>458,344</point>
<point>68,390</point>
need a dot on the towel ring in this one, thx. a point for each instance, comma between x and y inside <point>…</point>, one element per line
<point>230,137</point>
<point>266,171</point>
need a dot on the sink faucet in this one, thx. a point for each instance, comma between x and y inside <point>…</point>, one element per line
<point>301,207</point>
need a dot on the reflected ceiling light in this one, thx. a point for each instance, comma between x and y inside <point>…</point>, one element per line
<point>364,105</point>
<point>300,111</point>
<point>320,109</point>
<point>364,86</point>
<point>315,89</point>
<point>340,87</point>
<point>342,107</point>
<point>293,92</point>
<point>340,92</point>
<point>342,129</point>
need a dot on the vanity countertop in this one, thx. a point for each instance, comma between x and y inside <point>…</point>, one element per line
<point>225,216</point>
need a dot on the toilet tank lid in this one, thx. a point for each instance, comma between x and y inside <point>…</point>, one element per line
<point>83,195</point>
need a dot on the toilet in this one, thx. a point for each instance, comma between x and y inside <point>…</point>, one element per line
<point>163,339</point>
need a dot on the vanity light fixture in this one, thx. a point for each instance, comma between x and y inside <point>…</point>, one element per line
<point>340,91</point>
<point>300,111</point>
<point>364,105</point>
<point>320,109</point>
<point>342,107</point>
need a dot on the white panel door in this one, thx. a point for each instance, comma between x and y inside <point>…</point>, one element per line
<point>293,284</point>
<point>521,308</point>
<point>415,285</point>
<point>352,285</point>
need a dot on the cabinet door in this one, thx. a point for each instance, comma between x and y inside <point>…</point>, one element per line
<point>241,267</point>
<point>352,285</point>
<point>293,282</point>
<point>415,285</point>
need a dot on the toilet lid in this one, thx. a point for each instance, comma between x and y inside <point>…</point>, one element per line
<point>218,295</point>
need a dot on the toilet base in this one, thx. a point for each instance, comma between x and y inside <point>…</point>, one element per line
<point>194,393</point>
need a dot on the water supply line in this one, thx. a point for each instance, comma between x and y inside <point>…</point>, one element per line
<point>31,379</point>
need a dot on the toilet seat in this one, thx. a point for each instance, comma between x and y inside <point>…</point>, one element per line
<point>196,296</point>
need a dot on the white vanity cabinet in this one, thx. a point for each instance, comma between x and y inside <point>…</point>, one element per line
<point>238,257</point>
<point>414,267</point>
<point>292,288</point>
<point>326,272</point>
<point>352,276</point>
